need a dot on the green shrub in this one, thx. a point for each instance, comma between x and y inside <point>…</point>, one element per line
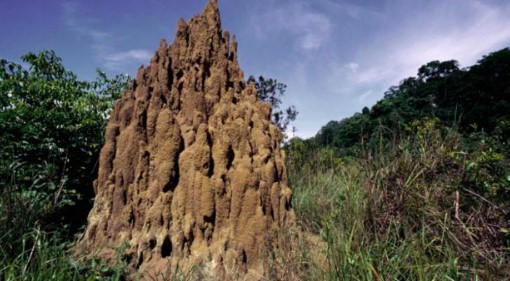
<point>51,128</point>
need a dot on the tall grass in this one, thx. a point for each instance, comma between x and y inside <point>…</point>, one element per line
<point>408,210</point>
<point>40,258</point>
<point>32,246</point>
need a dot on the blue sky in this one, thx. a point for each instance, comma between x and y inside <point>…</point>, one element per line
<point>336,56</point>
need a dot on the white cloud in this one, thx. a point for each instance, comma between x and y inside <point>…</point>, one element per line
<point>132,54</point>
<point>463,32</point>
<point>352,66</point>
<point>355,74</point>
<point>363,97</point>
<point>446,31</point>
<point>115,60</point>
<point>102,43</point>
<point>373,74</point>
<point>309,29</point>
<point>353,11</point>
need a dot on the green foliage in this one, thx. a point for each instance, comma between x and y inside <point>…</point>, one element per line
<point>22,206</point>
<point>45,256</point>
<point>476,99</point>
<point>488,168</point>
<point>271,91</point>
<point>41,257</point>
<point>52,128</point>
<point>51,131</point>
<point>96,269</point>
<point>486,92</point>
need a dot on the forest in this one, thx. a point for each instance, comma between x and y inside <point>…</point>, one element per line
<point>417,187</point>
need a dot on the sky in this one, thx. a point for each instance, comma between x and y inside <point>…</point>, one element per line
<point>336,56</point>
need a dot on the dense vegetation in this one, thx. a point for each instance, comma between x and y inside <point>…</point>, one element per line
<point>415,188</point>
<point>475,99</point>
<point>51,128</point>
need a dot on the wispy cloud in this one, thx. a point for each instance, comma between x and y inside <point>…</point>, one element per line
<point>369,52</point>
<point>309,29</point>
<point>115,60</point>
<point>352,10</point>
<point>102,43</point>
<point>465,35</point>
<point>352,66</point>
<point>363,97</point>
<point>448,31</point>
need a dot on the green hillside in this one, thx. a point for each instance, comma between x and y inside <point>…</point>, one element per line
<point>474,99</point>
<point>416,187</point>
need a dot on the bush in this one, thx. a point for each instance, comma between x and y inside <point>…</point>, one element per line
<point>52,128</point>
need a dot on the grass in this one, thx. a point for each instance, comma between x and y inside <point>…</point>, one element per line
<point>45,256</point>
<point>41,258</point>
<point>408,210</point>
<point>32,246</point>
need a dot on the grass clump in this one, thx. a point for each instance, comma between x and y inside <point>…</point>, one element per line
<point>33,245</point>
<point>40,258</point>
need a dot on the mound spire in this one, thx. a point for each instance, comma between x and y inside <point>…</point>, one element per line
<point>191,171</point>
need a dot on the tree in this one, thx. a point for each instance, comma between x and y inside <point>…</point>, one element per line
<point>271,91</point>
<point>52,128</point>
<point>471,99</point>
<point>436,70</point>
<point>487,92</point>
